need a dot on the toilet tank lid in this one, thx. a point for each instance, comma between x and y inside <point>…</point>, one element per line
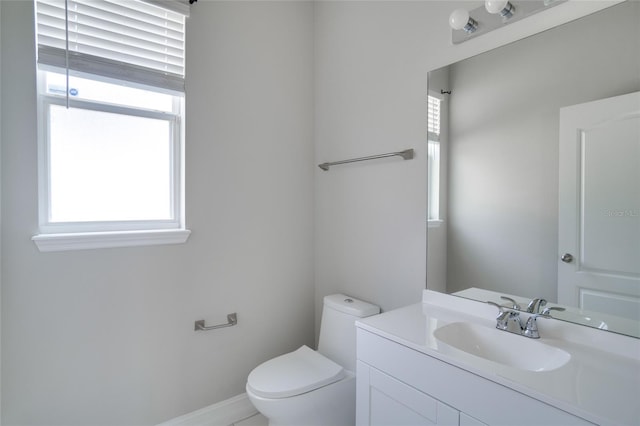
<point>293,374</point>
<point>350,305</point>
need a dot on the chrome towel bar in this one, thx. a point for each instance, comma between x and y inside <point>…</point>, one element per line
<point>232,319</point>
<point>407,154</point>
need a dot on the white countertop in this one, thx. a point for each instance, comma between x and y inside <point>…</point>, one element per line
<point>600,383</point>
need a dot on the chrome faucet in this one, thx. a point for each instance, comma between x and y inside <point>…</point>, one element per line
<point>536,305</point>
<point>508,319</point>
<point>531,327</point>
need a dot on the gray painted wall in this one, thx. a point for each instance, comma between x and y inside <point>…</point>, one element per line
<point>371,65</point>
<point>0,215</point>
<point>105,337</point>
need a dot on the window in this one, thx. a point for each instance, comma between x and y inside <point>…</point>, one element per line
<point>433,152</point>
<point>110,123</point>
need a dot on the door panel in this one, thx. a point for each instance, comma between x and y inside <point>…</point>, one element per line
<point>599,217</point>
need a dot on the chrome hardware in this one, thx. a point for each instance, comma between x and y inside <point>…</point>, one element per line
<point>489,22</point>
<point>407,154</point>
<point>567,258</point>
<point>232,319</point>
<point>534,306</point>
<point>531,327</point>
<point>502,316</point>
<point>547,311</point>
<point>507,319</point>
<point>514,304</point>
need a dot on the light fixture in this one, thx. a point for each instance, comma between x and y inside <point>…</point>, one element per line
<point>494,14</point>
<point>460,20</point>
<point>503,7</point>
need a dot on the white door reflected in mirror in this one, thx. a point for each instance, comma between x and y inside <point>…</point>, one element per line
<point>599,206</point>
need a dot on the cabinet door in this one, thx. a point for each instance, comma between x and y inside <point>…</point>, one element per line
<point>472,394</point>
<point>393,403</point>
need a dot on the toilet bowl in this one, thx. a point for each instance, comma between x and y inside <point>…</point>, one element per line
<point>303,388</point>
<point>314,388</point>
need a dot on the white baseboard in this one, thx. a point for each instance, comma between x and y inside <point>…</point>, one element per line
<point>223,413</point>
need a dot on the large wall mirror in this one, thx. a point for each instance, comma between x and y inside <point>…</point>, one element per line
<point>498,172</point>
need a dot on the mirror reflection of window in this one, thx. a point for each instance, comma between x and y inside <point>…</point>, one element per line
<point>433,152</point>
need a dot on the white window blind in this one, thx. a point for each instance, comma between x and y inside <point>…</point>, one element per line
<point>132,40</point>
<point>433,167</point>
<point>433,164</point>
<point>433,118</point>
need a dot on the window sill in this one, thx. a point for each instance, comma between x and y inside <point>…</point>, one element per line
<point>96,240</point>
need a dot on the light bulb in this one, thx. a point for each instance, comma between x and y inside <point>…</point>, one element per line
<point>503,7</point>
<point>460,20</point>
<point>495,6</point>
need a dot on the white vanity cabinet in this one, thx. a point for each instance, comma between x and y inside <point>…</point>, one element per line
<point>397,385</point>
<point>389,401</point>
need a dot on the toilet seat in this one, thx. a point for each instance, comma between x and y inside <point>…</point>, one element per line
<point>293,374</point>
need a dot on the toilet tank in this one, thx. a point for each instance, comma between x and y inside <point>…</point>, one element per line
<point>337,327</point>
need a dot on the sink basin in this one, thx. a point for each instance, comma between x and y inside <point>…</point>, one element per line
<point>500,346</point>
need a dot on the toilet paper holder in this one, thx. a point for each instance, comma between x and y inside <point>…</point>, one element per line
<point>232,319</point>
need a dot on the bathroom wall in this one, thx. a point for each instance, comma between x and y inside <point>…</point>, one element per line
<point>370,99</point>
<point>105,337</point>
<point>0,215</point>
<point>372,60</point>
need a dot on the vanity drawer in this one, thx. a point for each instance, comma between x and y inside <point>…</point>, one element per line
<point>486,401</point>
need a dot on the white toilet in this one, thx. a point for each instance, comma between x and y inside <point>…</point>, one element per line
<point>314,388</point>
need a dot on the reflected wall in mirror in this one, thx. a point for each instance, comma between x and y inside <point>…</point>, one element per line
<point>497,225</point>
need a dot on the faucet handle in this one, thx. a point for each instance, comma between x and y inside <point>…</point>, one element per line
<point>547,311</point>
<point>535,305</point>
<point>501,309</point>
<point>514,304</point>
<point>502,320</point>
